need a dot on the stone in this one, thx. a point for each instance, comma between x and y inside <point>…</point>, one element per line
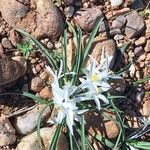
<point>13,11</point>
<point>145,108</point>
<point>118,37</point>
<point>148,57</point>
<point>26,123</point>
<point>11,71</point>
<point>37,84</point>
<point>118,86</point>
<point>104,27</point>
<point>135,25</point>
<point>138,51</point>
<point>44,76</point>
<point>86,18</point>
<point>1,49</point>
<point>132,70</point>
<point>7,132</point>
<point>104,127</point>
<point>121,11</point>
<point>46,93</point>
<point>49,21</point>
<point>14,38</point>
<point>137,4</point>
<point>30,142</point>
<point>109,47</point>
<point>141,41</point>
<point>147,46</point>
<point>116,3</point>
<point>6,43</point>
<point>119,22</point>
<point>115,31</point>
<point>69,2</point>
<point>44,19</point>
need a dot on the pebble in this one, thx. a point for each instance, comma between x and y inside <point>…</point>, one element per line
<point>6,43</point>
<point>145,109</point>
<point>135,25</point>
<point>33,61</point>
<point>132,70</point>
<point>69,2</point>
<point>37,84</point>
<point>119,22</point>
<point>87,17</point>
<point>118,37</point>
<point>142,57</point>
<point>141,41</point>
<point>30,142</point>
<point>44,76</point>
<point>147,46</point>
<point>69,11</point>
<point>139,94</point>
<point>26,123</point>
<point>46,93</point>
<point>7,132</point>
<point>116,3</point>
<point>115,31</point>
<point>121,11</point>
<point>138,51</point>
<point>38,68</point>
<point>148,57</point>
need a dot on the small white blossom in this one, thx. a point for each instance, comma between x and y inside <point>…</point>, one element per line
<point>96,79</point>
<point>65,105</point>
<point>116,3</point>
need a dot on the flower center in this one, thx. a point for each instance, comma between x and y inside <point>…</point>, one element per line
<point>94,77</point>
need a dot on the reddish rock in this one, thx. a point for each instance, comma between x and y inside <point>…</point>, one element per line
<point>135,25</point>
<point>7,132</point>
<point>105,127</point>
<point>46,93</point>
<point>109,47</point>
<point>37,84</point>
<point>87,17</point>
<point>44,19</point>
<point>10,71</point>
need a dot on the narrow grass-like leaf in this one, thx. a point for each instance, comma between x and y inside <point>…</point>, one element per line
<point>104,140</point>
<point>39,124</point>
<point>124,69</point>
<point>41,48</point>
<point>35,98</point>
<point>86,50</point>
<point>82,133</point>
<point>140,144</point>
<point>55,138</point>
<point>141,81</point>
<point>75,143</point>
<point>76,65</point>
<point>71,141</point>
<point>65,54</point>
<point>124,47</point>
<point>90,147</point>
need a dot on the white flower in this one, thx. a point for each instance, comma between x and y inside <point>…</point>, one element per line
<point>66,106</point>
<point>96,79</point>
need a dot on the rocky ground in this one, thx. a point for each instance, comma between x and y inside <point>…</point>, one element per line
<point>128,23</point>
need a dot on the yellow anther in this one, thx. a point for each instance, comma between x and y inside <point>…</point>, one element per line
<point>94,77</point>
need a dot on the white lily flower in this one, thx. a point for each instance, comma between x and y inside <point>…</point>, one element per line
<point>96,79</point>
<point>65,106</point>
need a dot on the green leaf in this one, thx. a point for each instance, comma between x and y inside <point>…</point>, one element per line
<point>55,138</point>
<point>104,141</point>
<point>71,141</point>
<point>77,61</point>
<point>140,144</point>
<point>35,98</point>
<point>65,54</point>
<point>86,50</point>
<point>141,81</point>
<point>82,133</point>
<point>39,124</point>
